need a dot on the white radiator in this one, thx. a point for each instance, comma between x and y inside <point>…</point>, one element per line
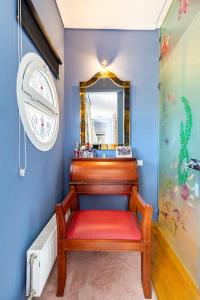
<point>40,259</point>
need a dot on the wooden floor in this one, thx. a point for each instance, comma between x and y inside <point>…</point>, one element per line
<point>170,280</point>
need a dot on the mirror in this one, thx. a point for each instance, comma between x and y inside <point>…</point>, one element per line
<point>105,111</point>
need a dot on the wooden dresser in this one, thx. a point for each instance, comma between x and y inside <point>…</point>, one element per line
<point>104,175</point>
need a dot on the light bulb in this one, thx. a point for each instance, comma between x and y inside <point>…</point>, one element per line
<point>104,66</point>
<point>104,63</point>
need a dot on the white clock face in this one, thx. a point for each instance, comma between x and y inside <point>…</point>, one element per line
<point>37,101</point>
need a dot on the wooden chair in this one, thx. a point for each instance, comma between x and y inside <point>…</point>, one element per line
<point>107,230</point>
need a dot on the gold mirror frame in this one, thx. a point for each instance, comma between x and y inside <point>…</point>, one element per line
<point>123,84</point>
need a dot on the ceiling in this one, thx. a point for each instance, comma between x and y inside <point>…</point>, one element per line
<point>113,14</point>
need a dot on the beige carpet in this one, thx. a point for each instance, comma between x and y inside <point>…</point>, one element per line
<point>99,276</point>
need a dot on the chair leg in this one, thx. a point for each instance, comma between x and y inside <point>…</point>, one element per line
<point>62,271</point>
<point>145,273</point>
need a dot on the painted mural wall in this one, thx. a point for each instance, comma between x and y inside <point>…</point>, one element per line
<point>180,131</point>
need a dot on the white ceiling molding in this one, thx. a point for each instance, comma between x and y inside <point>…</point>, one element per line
<point>113,14</point>
<point>62,10</point>
<point>166,6</point>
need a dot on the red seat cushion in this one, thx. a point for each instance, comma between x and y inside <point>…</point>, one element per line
<point>103,224</point>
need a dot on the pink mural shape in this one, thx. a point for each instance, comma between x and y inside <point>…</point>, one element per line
<point>170,97</point>
<point>165,44</point>
<point>183,7</point>
<point>185,192</point>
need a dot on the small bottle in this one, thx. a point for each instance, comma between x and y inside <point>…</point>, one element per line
<point>76,150</point>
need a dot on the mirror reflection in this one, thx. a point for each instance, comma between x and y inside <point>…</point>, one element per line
<point>104,113</point>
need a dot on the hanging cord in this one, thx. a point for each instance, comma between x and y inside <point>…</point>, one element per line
<point>22,170</point>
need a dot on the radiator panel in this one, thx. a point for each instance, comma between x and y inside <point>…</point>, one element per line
<point>45,248</point>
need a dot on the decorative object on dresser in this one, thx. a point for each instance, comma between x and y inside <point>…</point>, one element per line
<point>123,151</point>
<point>84,151</point>
<point>104,230</point>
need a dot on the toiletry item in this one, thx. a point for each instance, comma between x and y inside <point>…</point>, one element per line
<point>76,153</point>
<point>76,150</point>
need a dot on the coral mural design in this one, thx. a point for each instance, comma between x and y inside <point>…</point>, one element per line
<point>183,7</point>
<point>177,217</point>
<point>171,97</point>
<point>185,132</point>
<point>165,44</point>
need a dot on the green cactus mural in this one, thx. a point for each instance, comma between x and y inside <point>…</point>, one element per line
<point>185,133</point>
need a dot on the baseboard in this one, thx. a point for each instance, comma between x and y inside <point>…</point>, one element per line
<point>170,279</point>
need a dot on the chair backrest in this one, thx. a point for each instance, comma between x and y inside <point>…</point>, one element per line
<point>114,176</point>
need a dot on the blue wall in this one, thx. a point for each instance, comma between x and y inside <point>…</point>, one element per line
<point>132,55</point>
<point>26,203</point>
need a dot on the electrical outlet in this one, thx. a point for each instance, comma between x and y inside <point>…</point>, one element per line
<point>140,163</point>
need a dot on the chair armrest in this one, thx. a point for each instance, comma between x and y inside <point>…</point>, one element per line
<point>61,210</point>
<point>137,204</point>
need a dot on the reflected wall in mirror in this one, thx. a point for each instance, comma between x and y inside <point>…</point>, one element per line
<point>105,114</point>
